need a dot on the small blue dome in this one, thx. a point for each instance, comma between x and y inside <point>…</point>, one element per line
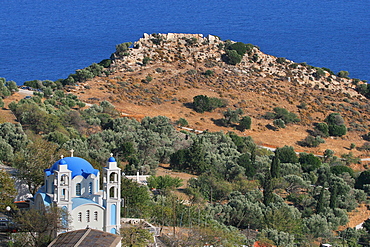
<point>111,159</point>
<point>77,165</point>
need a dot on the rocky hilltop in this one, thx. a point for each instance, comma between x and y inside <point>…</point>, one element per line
<point>161,73</point>
<point>195,49</point>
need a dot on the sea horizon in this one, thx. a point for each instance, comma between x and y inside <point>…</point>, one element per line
<point>45,40</point>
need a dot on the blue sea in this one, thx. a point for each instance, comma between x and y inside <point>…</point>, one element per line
<point>48,40</point>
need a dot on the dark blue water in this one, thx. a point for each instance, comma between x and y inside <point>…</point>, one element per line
<point>50,39</point>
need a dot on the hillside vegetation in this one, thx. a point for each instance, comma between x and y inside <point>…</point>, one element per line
<point>163,72</point>
<point>208,108</point>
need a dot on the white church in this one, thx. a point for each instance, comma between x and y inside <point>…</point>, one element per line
<point>74,185</point>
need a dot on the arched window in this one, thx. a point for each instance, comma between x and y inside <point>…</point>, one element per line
<point>112,192</point>
<point>96,215</point>
<point>63,197</point>
<point>79,217</point>
<point>78,189</point>
<point>64,180</point>
<point>90,187</point>
<point>88,216</point>
<point>113,177</point>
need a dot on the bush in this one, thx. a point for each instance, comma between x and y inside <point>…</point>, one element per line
<point>157,38</point>
<point>309,162</point>
<point>146,60</point>
<point>245,123</point>
<point>319,73</point>
<point>148,79</point>
<point>182,122</point>
<point>363,179</point>
<point>334,119</point>
<point>279,123</point>
<point>365,147</point>
<point>321,129</point>
<point>311,141</point>
<point>286,154</point>
<point>233,57</point>
<point>281,60</point>
<point>337,130</point>
<point>105,63</point>
<point>121,48</point>
<point>337,170</point>
<point>209,73</point>
<point>284,114</point>
<point>239,47</point>
<point>204,103</point>
<point>336,125</point>
<point>343,74</point>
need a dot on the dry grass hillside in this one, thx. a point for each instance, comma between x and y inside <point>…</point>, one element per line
<point>162,74</point>
<point>175,73</point>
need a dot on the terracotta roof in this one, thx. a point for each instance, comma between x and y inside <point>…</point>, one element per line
<point>259,244</point>
<point>86,238</point>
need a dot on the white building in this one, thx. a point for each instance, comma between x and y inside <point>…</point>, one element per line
<point>74,185</point>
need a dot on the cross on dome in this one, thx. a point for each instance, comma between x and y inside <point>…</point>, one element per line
<point>72,151</point>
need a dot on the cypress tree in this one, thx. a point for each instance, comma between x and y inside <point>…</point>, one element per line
<point>320,202</point>
<point>268,189</point>
<point>333,196</point>
<point>275,167</point>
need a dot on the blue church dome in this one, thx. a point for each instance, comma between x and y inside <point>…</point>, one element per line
<point>111,159</point>
<point>77,165</point>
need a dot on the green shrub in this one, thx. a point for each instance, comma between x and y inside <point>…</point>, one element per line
<point>157,38</point>
<point>334,119</point>
<point>191,72</point>
<point>328,70</point>
<point>201,103</point>
<point>209,73</point>
<point>239,47</point>
<point>365,147</point>
<point>121,48</point>
<point>286,154</point>
<point>191,41</point>
<point>204,103</point>
<point>321,129</point>
<point>148,79</point>
<point>284,114</point>
<point>279,123</point>
<point>281,60</point>
<point>146,60</point>
<point>309,162</point>
<point>363,179</point>
<point>182,122</point>
<point>337,170</point>
<point>319,73</point>
<point>337,130</point>
<point>233,57</point>
<point>105,63</point>
<point>311,141</point>
<point>336,124</point>
<point>245,123</point>
<point>343,74</point>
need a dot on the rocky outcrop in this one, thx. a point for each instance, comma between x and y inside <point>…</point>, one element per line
<point>196,49</point>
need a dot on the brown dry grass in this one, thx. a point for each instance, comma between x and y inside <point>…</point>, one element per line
<point>168,93</point>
